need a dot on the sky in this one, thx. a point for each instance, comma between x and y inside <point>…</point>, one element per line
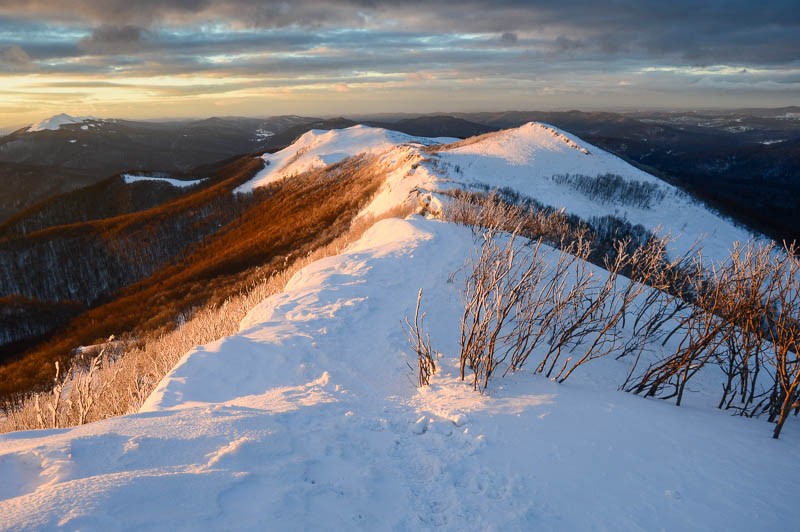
<point>196,58</point>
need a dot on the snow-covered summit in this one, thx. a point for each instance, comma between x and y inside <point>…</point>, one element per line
<point>318,148</point>
<point>558,169</point>
<point>55,122</point>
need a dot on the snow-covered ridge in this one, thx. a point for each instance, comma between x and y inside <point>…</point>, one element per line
<point>319,148</point>
<point>532,159</point>
<point>312,411</point>
<point>544,135</point>
<point>527,158</point>
<point>130,178</point>
<point>54,123</point>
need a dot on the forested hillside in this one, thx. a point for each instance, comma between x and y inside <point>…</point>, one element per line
<point>257,235</point>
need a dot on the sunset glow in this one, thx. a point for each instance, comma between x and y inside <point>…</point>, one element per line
<point>200,58</point>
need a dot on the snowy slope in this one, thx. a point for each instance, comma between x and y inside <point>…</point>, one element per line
<point>526,159</point>
<point>55,122</point>
<point>309,418</point>
<point>319,148</point>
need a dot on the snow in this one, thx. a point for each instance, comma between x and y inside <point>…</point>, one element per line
<point>526,158</point>
<point>309,418</point>
<point>55,122</point>
<point>319,148</point>
<point>182,183</point>
<point>263,134</point>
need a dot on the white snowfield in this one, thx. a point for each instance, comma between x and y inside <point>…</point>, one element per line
<point>181,183</point>
<point>319,148</point>
<point>525,159</point>
<point>55,122</point>
<point>310,419</point>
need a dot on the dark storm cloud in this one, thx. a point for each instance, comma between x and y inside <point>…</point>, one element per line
<point>565,44</point>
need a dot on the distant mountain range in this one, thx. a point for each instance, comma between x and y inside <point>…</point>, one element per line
<point>64,153</point>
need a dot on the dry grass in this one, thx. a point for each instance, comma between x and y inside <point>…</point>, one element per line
<point>118,379</point>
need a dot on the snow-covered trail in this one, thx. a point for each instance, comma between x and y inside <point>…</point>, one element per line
<point>309,418</point>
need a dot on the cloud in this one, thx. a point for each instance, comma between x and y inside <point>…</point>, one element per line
<point>680,30</point>
<point>504,46</point>
<point>113,40</point>
<point>565,44</point>
<point>509,37</point>
<point>14,58</point>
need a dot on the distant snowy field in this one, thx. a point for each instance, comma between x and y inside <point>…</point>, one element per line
<point>310,418</point>
<point>54,123</point>
<point>181,183</point>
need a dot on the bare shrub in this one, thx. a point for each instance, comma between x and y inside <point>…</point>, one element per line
<point>541,306</point>
<point>783,326</point>
<point>656,309</point>
<point>420,343</point>
<point>742,357</point>
<point>607,306</point>
<point>514,302</point>
<point>744,317</point>
<point>613,188</point>
<point>741,315</point>
<point>51,403</point>
<point>507,210</point>
<point>497,280</point>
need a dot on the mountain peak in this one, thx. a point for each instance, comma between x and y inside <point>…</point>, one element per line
<point>55,122</point>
